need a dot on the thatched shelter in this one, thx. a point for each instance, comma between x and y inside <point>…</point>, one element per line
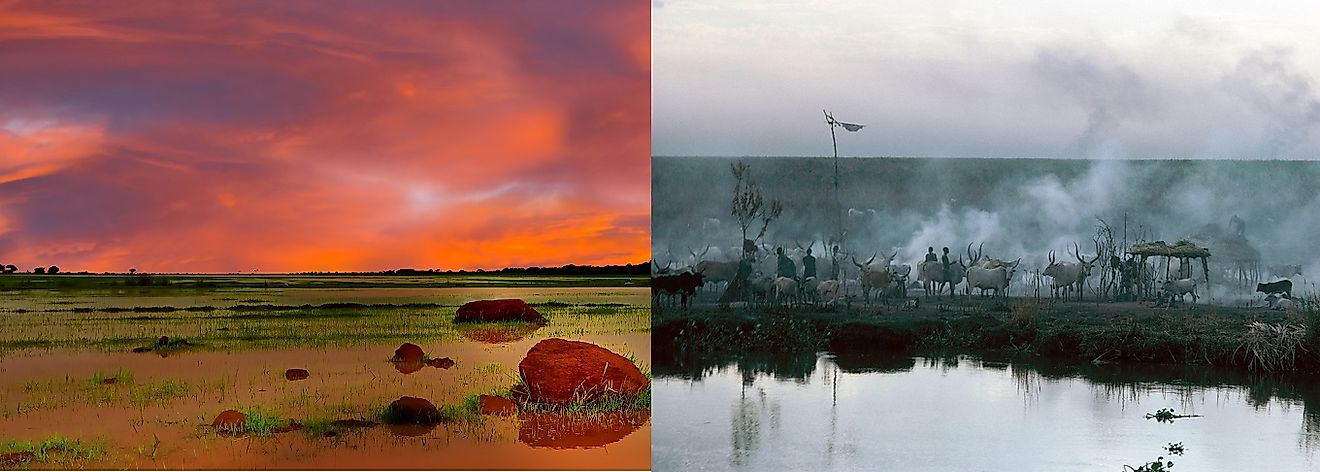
<point>1184,251</point>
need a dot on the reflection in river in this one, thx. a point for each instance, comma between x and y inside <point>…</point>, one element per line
<point>826,411</point>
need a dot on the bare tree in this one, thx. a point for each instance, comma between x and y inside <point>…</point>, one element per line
<point>749,206</point>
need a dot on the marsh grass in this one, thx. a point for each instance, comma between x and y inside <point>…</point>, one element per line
<point>126,391</point>
<point>1273,347</point>
<point>58,450</point>
<point>259,421</point>
<point>118,377</point>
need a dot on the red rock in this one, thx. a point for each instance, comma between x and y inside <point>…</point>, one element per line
<point>441,363</point>
<point>493,405</point>
<point>409,352</point>
<point>557,371</point>
<point>296,374</point>
<point>413,410</point>
<point>510,309</point>
<point>11,458</point>
<point>229,420</point>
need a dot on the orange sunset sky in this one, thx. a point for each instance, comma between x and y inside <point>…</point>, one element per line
<point>323,136</point>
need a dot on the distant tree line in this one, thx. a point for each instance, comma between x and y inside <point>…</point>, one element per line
<point>569,269</point>
<point>13,269</point>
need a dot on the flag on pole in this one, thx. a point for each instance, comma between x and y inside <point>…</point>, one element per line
<point>848,126</point>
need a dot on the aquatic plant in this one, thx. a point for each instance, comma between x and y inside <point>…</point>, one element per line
<point>1166,415</point>
<point>1159,464</point>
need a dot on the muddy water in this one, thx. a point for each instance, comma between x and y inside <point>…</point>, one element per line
<point>44,392</point>
<point>820,412</point>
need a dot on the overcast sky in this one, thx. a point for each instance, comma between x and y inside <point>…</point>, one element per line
<point>1095,79</point>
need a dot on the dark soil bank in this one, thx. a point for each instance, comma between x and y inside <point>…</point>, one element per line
<point>1245,338</point>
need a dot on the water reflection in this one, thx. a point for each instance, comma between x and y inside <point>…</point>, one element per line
<point>852,410</point>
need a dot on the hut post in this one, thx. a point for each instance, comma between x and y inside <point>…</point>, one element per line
<point>1205,268</point>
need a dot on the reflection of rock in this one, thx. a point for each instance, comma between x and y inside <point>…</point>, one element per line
<point>409,352</point>
<point>559,371</point>
<point>413,410</point>
<point>296,374</point>
<point>352,423</point>
<point>497,310</point>
<point>229,420</point>
<point>497,334</point>
<point>441,363</point>
<point>14,458</point>
<point>570,431</point>
<point>408,367</point>
<point>411,430</point>
<point>292,426</point>
<point>493,405</point>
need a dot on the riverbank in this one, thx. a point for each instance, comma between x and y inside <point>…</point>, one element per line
<point>1246,338</point>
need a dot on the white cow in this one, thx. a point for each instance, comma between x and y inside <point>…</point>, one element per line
<point>1180,288</point>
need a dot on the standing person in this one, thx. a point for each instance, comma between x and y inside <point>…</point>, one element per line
<point>808,265</point>
<point>948,274</point>
<point>834,263</point>
<point>738,289</point>
<point>786,266</point>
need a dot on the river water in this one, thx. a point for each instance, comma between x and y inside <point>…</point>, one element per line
<point>822,411</point>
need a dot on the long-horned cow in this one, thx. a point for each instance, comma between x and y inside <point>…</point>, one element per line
<point>1070,276</point>
<point>873,278</point>
<point>931,275</point>
<point>991,274</point>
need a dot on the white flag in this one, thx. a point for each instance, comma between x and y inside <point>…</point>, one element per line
<point>850,126</point>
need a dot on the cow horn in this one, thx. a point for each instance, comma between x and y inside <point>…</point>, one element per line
<point>1051,257</point>
<point>872,259</point>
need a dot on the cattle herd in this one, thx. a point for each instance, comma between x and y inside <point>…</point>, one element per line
<point>843,278</point>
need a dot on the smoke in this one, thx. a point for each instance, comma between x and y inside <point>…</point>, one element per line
<point>1017,208</point>
<point>1270,81</point>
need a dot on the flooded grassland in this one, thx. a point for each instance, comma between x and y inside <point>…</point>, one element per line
<point>307,360</point>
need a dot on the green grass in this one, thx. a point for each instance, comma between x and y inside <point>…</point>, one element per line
<point>259,421</point>
<point>121,377</point>
<point>313,326</point>
<point>57,450</point>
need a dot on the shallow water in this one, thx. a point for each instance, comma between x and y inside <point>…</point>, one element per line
<point>173,398</point>
<point>819,412</point>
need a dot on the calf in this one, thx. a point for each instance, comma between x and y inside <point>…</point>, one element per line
<point>1283,286</point>
<point>1180,288</point>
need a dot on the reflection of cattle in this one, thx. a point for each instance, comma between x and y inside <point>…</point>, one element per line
<point>1287,270</point>
<point>684,285</point>
<point>1283,286</point>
